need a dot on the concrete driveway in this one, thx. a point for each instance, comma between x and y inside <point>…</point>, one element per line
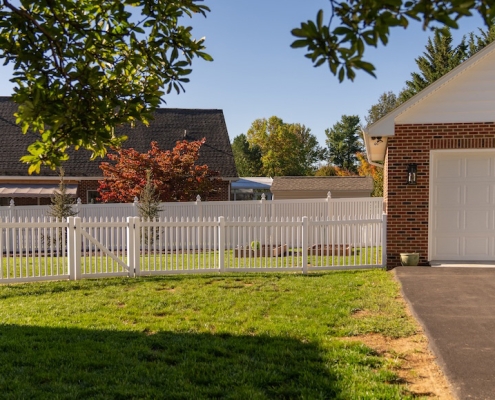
<point>456,307</point>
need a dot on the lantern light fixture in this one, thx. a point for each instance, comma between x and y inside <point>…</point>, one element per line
<point>412,174</point>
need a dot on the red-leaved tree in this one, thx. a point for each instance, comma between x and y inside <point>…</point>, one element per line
<point>174,173</point>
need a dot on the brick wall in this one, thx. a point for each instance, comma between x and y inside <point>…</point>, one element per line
<point>221,191</point>
<point>82,189</point>
<point>27,201</point>
<point>407,205</point>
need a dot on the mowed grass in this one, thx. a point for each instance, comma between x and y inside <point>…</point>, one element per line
<point>237,336</point>
<point>39,265</point>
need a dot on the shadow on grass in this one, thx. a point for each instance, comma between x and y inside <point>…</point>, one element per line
<point>37,362</point>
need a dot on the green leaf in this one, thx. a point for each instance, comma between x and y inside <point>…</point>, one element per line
<point>300,43</point>
<point>319,19</point>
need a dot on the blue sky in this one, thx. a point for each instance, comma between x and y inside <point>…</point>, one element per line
<point>255,73</point>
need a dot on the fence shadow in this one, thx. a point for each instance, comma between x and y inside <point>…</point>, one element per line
<point>39,362</point>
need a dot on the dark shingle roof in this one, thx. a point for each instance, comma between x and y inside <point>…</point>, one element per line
<point>167,128</point>
<point>319,183</point>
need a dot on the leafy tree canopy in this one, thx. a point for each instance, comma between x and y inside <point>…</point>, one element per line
<point>247,157</point>
<point>366,169</point>
<point>83,67</point>
<point>340,40</point>
<point>174,175</point>
<point>286,149</point>
<point>344,141</point>
<point>332,170</point>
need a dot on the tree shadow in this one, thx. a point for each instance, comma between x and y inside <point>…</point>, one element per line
<point>39,362</point>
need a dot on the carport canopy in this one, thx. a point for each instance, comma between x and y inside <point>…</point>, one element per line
<point>33,190</point>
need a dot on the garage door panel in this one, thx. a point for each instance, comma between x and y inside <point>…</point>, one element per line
<point>477,220</point>
<point>478,167</point>
<point>462,205</point>
<point>448,247</point>
<point>449,168</point>
<point>477,247</point>
<point>449,195</point>
<point>447,219</point>
<point>478,195</point>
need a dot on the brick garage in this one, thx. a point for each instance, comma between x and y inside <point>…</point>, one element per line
<point>408,205</point>
<point>448,131</point>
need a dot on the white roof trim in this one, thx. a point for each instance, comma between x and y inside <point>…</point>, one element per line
<point>385,126</point>
<point>33,190</point>
<point>49,178</point>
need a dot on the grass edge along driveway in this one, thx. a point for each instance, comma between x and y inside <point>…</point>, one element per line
<point>237,336</point>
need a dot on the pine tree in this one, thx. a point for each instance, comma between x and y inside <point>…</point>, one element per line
<point>344,141</point>
<point>477,42</point>
<point>386,103</point>
<point>61,201</point>
<point>439,58</point>
<point>149,203</point>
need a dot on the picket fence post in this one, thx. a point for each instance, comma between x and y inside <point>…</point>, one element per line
<point>133,235</point>
<point>221,243</point>
<point>74,248</point>
<point>330,205</point>
<point>135,204</point>
<point>384,240</point>
<point>12,209</point>
<point>199,218</point>
<point>305,231</point>
<point>77,206</point>
<point>137,246</point>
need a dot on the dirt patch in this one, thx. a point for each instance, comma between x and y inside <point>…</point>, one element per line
<point>411,359</point>
<point>413,362</point>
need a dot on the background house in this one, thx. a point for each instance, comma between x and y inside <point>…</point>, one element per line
<point>447,134</point>
<point>315,187</point>
<point>82,175</point>
<point>251,188</point>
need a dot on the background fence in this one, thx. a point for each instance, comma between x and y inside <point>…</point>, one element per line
<point>335,209</point>
<point>36,249</point>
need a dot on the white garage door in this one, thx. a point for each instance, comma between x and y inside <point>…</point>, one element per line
<point>462,205</point>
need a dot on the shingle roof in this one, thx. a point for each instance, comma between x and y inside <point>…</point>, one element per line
<point>167,128</point>
<point>319,183</point>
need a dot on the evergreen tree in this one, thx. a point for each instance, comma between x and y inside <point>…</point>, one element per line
<point>344,141</point>
<point>477,42</point>
<point>149,202</point>
<point>247,157</point>
<point>61,201</point>
<point>439,58</point>
<point>386,103</point>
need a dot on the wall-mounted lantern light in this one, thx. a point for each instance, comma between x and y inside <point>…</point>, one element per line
<point>377,140</point>
<point>412,173</point>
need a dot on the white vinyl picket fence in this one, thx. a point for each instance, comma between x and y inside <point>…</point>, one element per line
<point>37,249</point>
<point>335,209</point>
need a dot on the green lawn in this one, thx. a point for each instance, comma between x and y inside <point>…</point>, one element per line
<point>233,336</point>
<point>38,265</point>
